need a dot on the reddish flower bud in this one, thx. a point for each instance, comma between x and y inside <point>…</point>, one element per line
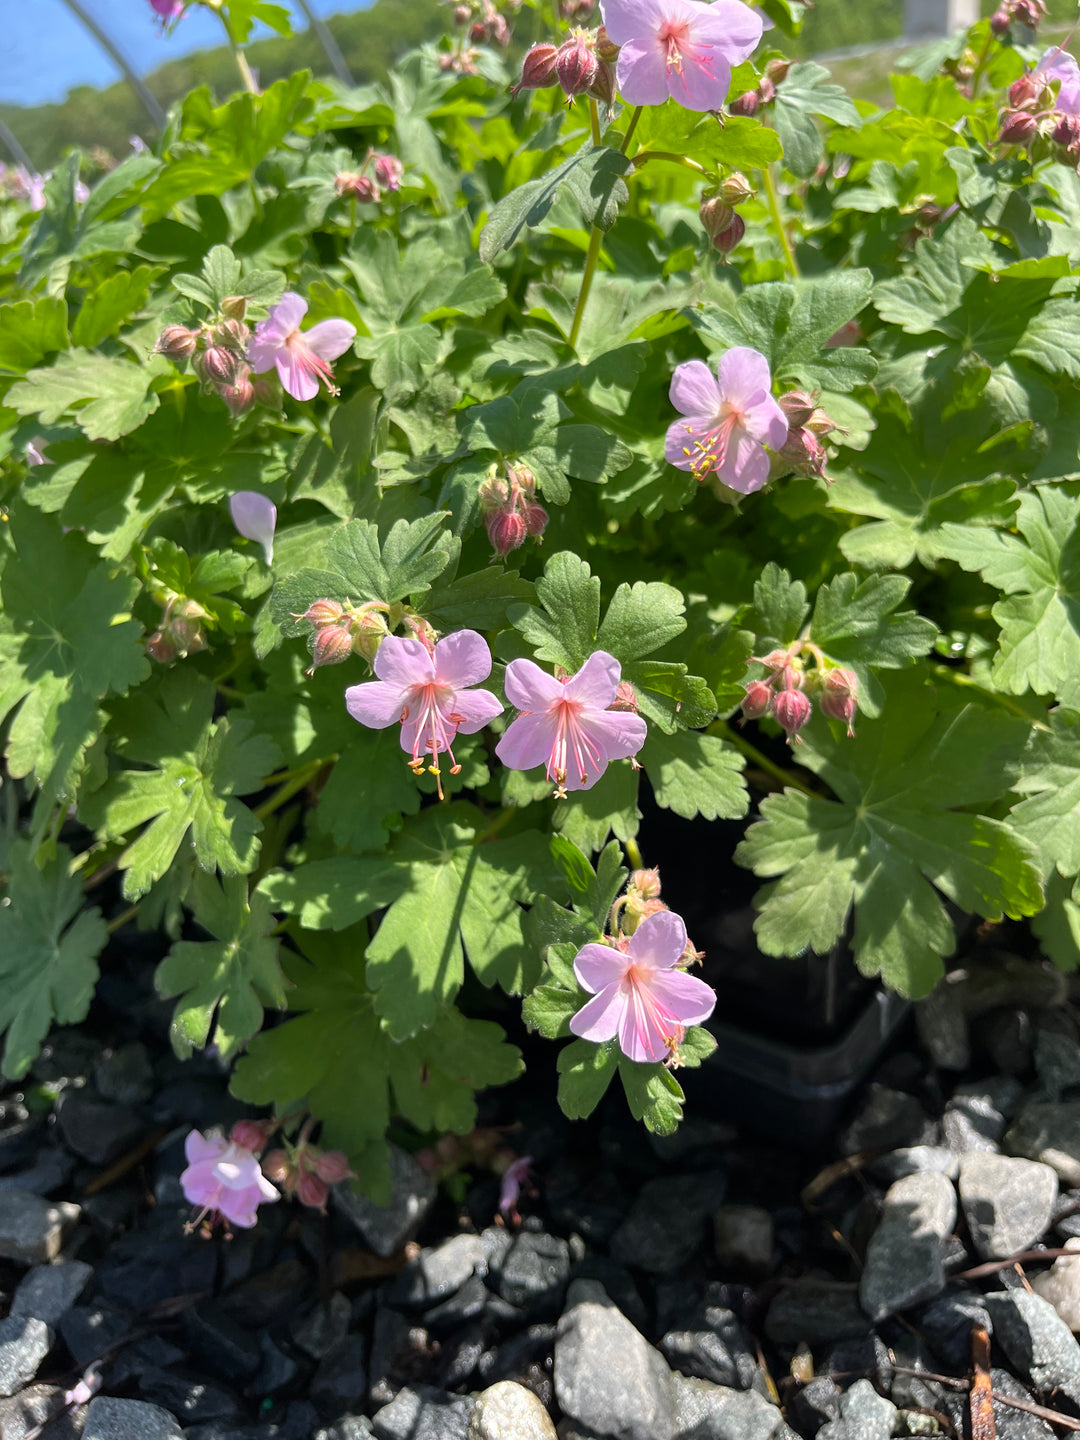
<point>839,697</point>
<point>331,645</point>
<point>749,103</point>
<point>848,335</point>
<point>357,187</point>
<point>797,406</point>
<point>521,476</point>
<point>715,214</point>
<point>233,334</point>
<point>506,530</point>
<point>1066,131</point>
<point>310,1190</point>
<point>777,70</point>
<point>250,1134</point>
<point>160,648</point>
<point>177,342</point>
<point>603,87</point>
<point>538,69</point>
<point>388,171</point>
<point>646,883</point>
<point>277,1166</point>
<point>332,1166</point>
<point>767,89</point>
<point>731,237</point>
<point>1017,127</point>
<point>218,364</point>
<point>1024,93</point>
<point>535,518</point>
<point>1029,12</point>
<point>240,397</point>
<point>462,14</point>
<point>576,64</point>
<point>735,189</point>
<point>792,710</point>
<point>606,47</point>
<point>493,492</point>
<point>323,612</point>
<point>803,452</point>
<point>625,697</point>
<point>1000,22</point>
<point>757,700</point>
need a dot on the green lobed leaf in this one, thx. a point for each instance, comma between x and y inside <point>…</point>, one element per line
<point>694,774</point>
<point>107,397</point>
<point>594,175</point>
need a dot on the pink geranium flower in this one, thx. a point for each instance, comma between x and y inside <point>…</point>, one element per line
<point>429,692</point>
<point>225,1178</point>
<point>1059,65</point>
<point>302,359</point>
<point>255,516</point>
<point>639,995</point>
<point>168,11</point>
<point>567,723</point>
<point>681,48</point>
<point>727,420</point>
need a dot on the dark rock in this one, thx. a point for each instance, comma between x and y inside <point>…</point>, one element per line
<point>528,1352</point>
<point>32,1229</point>
<point>400,1355</point>
<point>52,1167</point>
<point>445,1268</point>
<point>1008,1037</point>
<point>974,1118</point>
<point>1049,1133</point>
<point>1015,1424</point>
<point>193,1399</point>
<point>67,1055</point>
<point>385,1228</point>
<point>813,1312</point>
<point>887,1120</point>
<point>743,1238</point>
<point>535,1273</point>
<point>109,1419</point>
<point>24,1343</point>
<point>47,1292</point>
<point>220,1344</point>
<point>620,1287</point>
<point>1057,1062</point>
<point>942,1028</point>
<point>1036,1340</point>
<point>97,1130</point>
<point>903,1260</point>
<point>349,1427</point>
<point>868,1355</point>
<point>864,1415</point>
<point>20,1138</point>
<point>704,1411</point>
<point>270,1296</point>
<point>509,1412</point>
<point>459,1356</point>
<point>277,1370</point>
<point>916,1160</point>
<point>125,1075</point>
<point>946,1323</point>
<point>714,1347</point>
<point>473,1299</point>
<point>1008,1202</point>
<point>90,1330</point>
<point>650,1239</point>
<point>608,1378</point>
<point>814,1405</point>
<point>696,1133</point>
<point>341,1381</point>
<point>324,1326</point>
<point>141,1270</point>
<point>423,1414</point>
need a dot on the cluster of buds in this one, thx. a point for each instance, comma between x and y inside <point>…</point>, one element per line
<point>340,630</point>
<point>582,65</point>
<point>180,632</point>
<point>751,101</point>
<point>479,22</point>
<point>1036,120</point>
<point>302,1170</point>
<point>218,352</point>
<point>451,1157</point>
<point>510,509</point>
<point>723,225</point>
<point>639,900</point>
<point>803,452</point>
<point>1020,12</point>
<point>386,173</point>
<point>782,693</point>
<point>570,10</point>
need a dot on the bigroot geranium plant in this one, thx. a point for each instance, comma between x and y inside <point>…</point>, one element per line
<point>400,481</point>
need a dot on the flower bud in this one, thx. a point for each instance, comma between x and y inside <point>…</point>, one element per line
<point>1000,22</point>
<point>249,1134</point>
<point>332,1166</point>
<point>310,1190</point>
<point>797,406</point>
<point>766,90</point>
<point>1024,93</point>
<point>323,612</point>
<point>330,646</point>
<point>239,397</point>
<point>388,171</point>
<point>791,710</point>
<point>1066,132</point>
<point>277,1166</point>
<point>757,700</point>
<point>625,697</point>
<point>462,14</point>
<point>731,237</point>
<point>177,342</point>
<point>849,334</point>
<point>506,530</point>
<point>746,104</point>
<point>803,452</point>
<point>735,189</point>
<point>160,648</point>
<point>715,214</point>
<point>535,518</point>
<point>576,64</point>
<point>538,69</point>
<point>776,71</point>
<point>493,492</point>
<point>368,629</point>
<point>606,48</point>
<point>1029,12</point>
<point>1017,127</point>
<point>218,364</point>
<point>839,697</point>
<point>233,334</point>
<point>646,883</point>
<point>234,307</point>
<point>603,87</point>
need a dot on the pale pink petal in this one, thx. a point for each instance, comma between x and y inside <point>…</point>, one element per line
<point>237,1168</point>
<point>702,82</point>
<point>625,18</point>
<point>199,1147</point>
<point>643,1033</point>
<point>680,439</point>
<point>599,965</point>
<point>527,742</point>
<point>239,1208</point>
<point>641,72</point>
<point>403,661</point>
<point>375,703</point>
<point>266,1190</point>
<point>766,421</point>
<point>694,390</point>
<point>471,710</point>
<point>415,734</point>
<point>746,467</point>
<point>1058,64</point>
<point>462,659</point>
<point>743,375</point>
<point>530,688</point>
<point>284,317</point>
<point>295,375</point>
<point>615,733</point>
<point>255,516</point>
<point>330,338</point>
<point>262,354</point>
<point>596,682</point>
<point>599,1019</point>
<point>199,1186</point>
<point>686,997</point>
<point>730,26</point>
<point>659,940</point>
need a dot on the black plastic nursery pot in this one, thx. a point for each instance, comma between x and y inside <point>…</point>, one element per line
<point>795,1037</point>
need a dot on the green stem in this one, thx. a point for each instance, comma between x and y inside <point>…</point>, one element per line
<point>625,146</point>
<point>289,789</point>
<point>596,239</point>
<point>982,63</point>
<point>502,819</point>
<point>786,777</point>
<point>123,918</point>
<point>646,155</point>
<point>773,196</point>
<point>594,120</point>
<point>633,854</point>
<point>247,79</point>
<point>960,677</point>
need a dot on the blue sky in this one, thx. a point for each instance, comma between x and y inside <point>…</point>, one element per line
<point>47,50</point>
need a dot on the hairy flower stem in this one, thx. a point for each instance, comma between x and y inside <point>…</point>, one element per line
<point>625,146</point>
<point>786,777</point>
<point>594,121</point>
<point>123,918</point>
<point>773,197</point>
<point>596,239</point>
<point>647,155</point>
<point>633,854</point>
<point>301,777</point>
<point>247,78</point>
